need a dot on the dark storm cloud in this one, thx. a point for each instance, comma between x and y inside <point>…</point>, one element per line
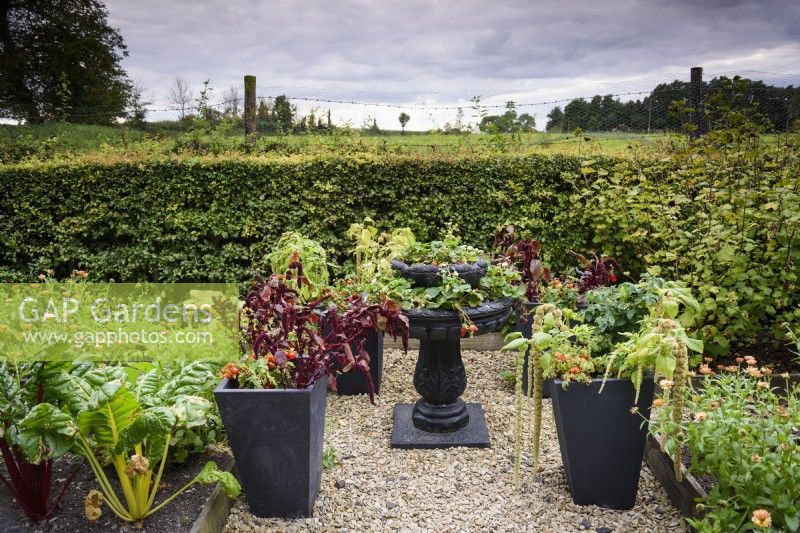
<point>448,46</point>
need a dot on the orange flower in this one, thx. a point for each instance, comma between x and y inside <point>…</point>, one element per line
<point>575,370</point>
<point>713,405</point>
<point>271,361</point>
<point>229,371</point>
<point>740,359</point>
<point>705,370</point>
<point>755,458</point>
<point>766,371</point>
<point>761,518</point>
<point>699,417</point>
<point>291,355</point>
<point>658,402</point>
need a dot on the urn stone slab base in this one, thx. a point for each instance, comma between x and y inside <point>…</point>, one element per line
<point>406,435</point>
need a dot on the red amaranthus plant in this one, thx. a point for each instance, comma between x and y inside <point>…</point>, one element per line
<point>525,256</point>
<point>599,273</point>
<point>286,345</point>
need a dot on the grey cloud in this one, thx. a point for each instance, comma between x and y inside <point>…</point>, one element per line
<point>444,46</point>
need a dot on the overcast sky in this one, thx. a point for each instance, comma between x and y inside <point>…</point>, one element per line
<point>423,54</point>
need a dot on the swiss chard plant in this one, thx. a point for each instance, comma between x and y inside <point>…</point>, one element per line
<point>185,388</point>
<point>114,426</point>
<point>33,434</point>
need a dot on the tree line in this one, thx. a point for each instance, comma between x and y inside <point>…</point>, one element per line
<point>777,108</point>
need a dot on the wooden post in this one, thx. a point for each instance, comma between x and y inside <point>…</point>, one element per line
<point>249,105</point>
<point>696,101</point>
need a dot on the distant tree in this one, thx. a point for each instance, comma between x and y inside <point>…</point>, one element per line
<point>508,122</point>
<point>138,104</point>
<point>555,120</point>
<point>232,99</point>
<point>180,95</point>
<point>404,118</point>
<point>283,114</point>
<point>262,112</point>
<point>47,46</point>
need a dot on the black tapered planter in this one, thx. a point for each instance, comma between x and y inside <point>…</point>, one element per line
<point>276,438</point>
<point>354,382</point>
<point>524,326</point>
<point>602,442</point>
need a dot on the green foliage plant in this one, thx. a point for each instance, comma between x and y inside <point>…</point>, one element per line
<point>742,433</point>
<point>115,426</point>
<point>314,272</point>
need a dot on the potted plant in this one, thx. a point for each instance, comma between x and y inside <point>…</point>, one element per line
<point>601,441</point>
<point>372,256</point>
<point>525,257</point>
<point>272,402</point>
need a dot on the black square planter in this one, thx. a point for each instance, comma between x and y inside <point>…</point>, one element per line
<point>602,442</point>
<point>276,437</point>
<point>354,382</point>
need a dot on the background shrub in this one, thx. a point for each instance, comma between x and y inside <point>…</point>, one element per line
<point>722,218</point>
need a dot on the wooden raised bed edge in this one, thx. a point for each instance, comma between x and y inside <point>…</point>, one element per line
<point>218,506</point>
<point>684,494</point>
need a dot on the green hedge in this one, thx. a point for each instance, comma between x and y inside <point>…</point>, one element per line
<point>724,217</point>
<point>215,219</point>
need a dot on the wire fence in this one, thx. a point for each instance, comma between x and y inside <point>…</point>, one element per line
<point>641,106</point>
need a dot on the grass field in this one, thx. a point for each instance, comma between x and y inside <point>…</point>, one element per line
<point>51,140</point>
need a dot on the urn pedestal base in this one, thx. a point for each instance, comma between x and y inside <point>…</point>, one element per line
<point>405,434</point>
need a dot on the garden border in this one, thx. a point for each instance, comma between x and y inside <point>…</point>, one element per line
<point>681,494</point>
<point>214,516</point>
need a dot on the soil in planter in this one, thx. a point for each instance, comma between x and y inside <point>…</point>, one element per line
<point>177,516</point>
<point>767,352</point>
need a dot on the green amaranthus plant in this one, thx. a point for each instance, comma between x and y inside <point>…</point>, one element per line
<point>556,350</point>
<point>113,426</point>
<point>661,345</point>
<point>549,336</point>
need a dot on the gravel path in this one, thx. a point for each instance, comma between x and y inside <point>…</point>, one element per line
<point>377,488</point>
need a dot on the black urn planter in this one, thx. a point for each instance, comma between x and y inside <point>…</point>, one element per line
<point>440,418</point>
<point>524,326</point>
<point>602,443</point>
<point>427,275</point>
<point>276,437</point>
<point>354,382</point>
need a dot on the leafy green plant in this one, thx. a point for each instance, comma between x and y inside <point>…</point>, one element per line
<point>448,251</point>
<point>373,253</point>
<point>743,434</point>
<point>329,459</point>
<point>186,388</point>
<point>617,310</point>
<point>284,256</point>
<point>114,426</point>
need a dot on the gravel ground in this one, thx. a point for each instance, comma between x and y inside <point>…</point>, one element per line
<point>377,488</point>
